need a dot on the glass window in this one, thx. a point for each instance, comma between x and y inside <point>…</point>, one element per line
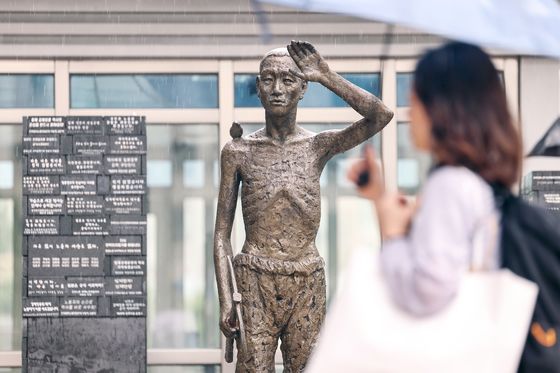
<point>316,95</point>
<point>26,91</point>
<point>193,173</point>
<point>183,307</point>
<point>160,174</point>
<point>7,261</point>
<point>412,165</point>
<point>144,91</point>
<point>342,211</point>
<point>6,174</point>
<point>10,238</point>
<point>404,83</point>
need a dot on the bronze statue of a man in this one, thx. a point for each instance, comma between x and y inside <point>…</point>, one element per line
<point>279,271</point>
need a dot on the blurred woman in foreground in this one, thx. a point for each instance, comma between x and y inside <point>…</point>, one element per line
<point>458,114</point>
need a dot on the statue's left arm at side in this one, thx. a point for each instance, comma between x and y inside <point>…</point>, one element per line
<point>227,201</point>
<point>376,114</point>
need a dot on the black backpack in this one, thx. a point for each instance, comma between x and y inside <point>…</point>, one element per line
<point>530,248</point>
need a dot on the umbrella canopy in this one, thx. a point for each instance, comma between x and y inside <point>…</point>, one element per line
<point>549,145</point>
<point>523,26</point>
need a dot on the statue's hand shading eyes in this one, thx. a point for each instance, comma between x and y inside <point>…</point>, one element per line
<point>311,65</point>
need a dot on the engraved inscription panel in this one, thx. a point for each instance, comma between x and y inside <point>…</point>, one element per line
<point>85,205</point>
<point>78,185</point>
<point>46,164</point>
<point>65,255</point>
<point>83,164</point>
<point>85,125</point>
<point>127,145</point>
<point>125,125</point>
<point>128,224</point>
<point>41,185</point>
<point>90,144</point>
<point>48,144</point>
<point>41,225</point>
<point>124,204</point>
<point>78,307</point>
<point>40,307</point>
<point>43,125</point>
<point>46,287</point>
<point>128,185</point>
<point>48,205</point>
<point>128,306</point>
<point>90,226</point>
<point>122,164</point>
<point>128,266</point>
<point>123,245</point>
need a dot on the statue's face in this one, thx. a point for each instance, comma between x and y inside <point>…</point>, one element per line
<point>278,90</point>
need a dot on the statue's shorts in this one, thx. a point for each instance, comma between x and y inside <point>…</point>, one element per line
<point>281,300</point>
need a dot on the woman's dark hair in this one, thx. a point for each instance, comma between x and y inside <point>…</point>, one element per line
<point>466,102</point>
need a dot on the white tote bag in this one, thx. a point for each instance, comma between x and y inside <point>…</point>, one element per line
<point>482,330</point>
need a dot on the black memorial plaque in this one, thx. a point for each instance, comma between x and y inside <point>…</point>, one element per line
<point>127,145</point>
<point>126,125</point>
<point>128,306</point>
<point>41,307</point>
<point>41,225</point>
<point>128,225</point>
<point>47,144</point>
<point>124,286</point>
<point>128,185</point>
<point>90,226</point>
<point>64,256</point>
<point>46,164</point>
<point>128,266</point>
<point>90,144</point>
<point>122,164</point>
<point>78,185</point>
<point>41,185</point>
<point>46,287</point>
<point>84,254</point>
<point>85,125</point>
<point>81,307</point>
<point>85,164</point>
<point>123,245</point>
<point>85,205</point>
<point>124,204</point>
<point>86,286</point>
<point>43,126</point>
<point>45,205</point>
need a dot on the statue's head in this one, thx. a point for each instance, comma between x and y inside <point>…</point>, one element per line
<point>278,89</point>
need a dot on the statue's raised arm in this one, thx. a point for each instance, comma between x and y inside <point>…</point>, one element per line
<point>376,115</point>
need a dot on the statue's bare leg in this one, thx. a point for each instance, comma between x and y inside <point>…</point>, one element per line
<point>261,330</point>
<point>300,334</point>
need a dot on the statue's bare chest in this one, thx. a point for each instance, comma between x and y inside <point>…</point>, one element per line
<point>269,166</point>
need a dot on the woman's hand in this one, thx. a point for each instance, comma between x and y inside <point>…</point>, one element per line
<point>374,187</point>
<point>394,212</point>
